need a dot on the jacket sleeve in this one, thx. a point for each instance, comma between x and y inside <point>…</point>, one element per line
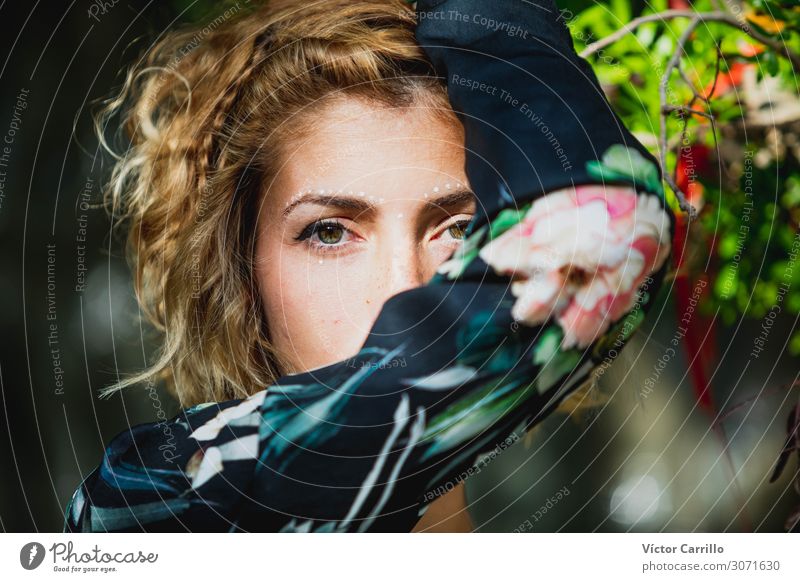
<point>557,271</point>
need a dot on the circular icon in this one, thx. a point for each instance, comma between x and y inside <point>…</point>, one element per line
<point>31,555</point>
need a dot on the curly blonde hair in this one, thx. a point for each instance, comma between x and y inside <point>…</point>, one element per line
<point>208,112</point>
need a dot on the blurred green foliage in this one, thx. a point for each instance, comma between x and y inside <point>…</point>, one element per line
<point>745,174</point>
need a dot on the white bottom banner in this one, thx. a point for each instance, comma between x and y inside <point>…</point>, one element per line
<point>353,557</point>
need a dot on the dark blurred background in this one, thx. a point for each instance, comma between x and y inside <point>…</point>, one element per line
<point>69,326</point>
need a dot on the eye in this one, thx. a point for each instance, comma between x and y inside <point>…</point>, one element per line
<point>330,234</point>
<point>325,235</point>
<point>457,230</point>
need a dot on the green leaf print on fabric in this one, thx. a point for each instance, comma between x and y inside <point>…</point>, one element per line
<point>462,257</point>
<point>555,362</point>
<point>626,164</point>
<point>507,218</point>
<point>444,379</point>
<point>621,332</point>
<point>475,413</point>
<point>483,343</point>
<point>115,518</point>
<point>308,416</point>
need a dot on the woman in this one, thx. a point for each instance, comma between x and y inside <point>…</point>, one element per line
<point>338,218</point>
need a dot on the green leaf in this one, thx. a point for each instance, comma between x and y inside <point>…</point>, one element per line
<point>727,281</point>
<point>794,344</point>
<point>621,9</point>
<point>771,64</point>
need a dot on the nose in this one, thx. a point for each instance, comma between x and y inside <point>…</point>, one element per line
<point>403,268</point>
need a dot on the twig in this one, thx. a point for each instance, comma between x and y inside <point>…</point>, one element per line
<point>674,64</point>
<point>690,83</point>
<point>633,25</point>
<point>725,414</point>
<point>707,98</point>
<point>685,111</point>
<point>716,16</point>
<point>662,92</point>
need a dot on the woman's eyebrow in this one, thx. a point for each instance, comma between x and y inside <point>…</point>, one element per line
<point>456,198</point>
<point>364,206</point>
<point>356,203</point>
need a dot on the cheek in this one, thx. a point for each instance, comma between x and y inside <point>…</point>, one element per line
<point>438,254</point>
<point>341,293</point>
<point>317,313</point>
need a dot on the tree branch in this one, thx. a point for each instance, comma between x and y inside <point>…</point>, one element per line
<point>695,19</point>
<point>673,63</point>
<point>716,16</point>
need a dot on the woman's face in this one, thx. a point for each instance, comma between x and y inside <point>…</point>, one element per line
<point>368,206</point>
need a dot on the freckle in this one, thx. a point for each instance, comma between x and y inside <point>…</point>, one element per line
<point>369,301</point>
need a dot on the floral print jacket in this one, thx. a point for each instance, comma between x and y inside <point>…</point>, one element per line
<point>548,285</point>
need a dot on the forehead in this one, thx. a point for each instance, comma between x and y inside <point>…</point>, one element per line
<point>361,145</point>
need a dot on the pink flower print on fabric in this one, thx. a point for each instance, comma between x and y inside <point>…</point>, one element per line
<point>580,255</point>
